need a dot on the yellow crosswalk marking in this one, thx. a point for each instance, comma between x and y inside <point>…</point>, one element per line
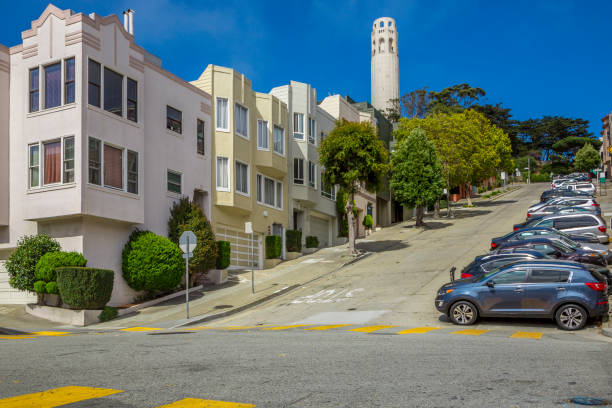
<point>200,403</point>
<point>199,328</point>
<point>471,332</point>
<point>527,335</point>
<point>286,327</point>
<point>56,397</point>
<point>16,337</point>
<point>370,329</point>
<point>329,326</point>
<point>140,329</point>
<point>419,330</point>
<point>49,333</point>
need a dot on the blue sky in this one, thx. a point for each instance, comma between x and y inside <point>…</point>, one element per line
<point>537,57</point>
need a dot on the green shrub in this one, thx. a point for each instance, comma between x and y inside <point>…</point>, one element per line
<point>367,221</point>
<point>151,262</point>
<point>294,240</point>
<point>22,262</point>
<point>180,214</point>
<point>108,313</point>
<point>45,268</point>
<point>223,254</point>
<point>274,246</point>
<point>312,242</point>
<point>52,288</point>
<point>538,178</point>
<point>40,286</point>
<point>85,288</point>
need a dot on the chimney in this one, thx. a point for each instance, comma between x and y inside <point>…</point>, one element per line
<point>130,13</point>
<point>125,21</point>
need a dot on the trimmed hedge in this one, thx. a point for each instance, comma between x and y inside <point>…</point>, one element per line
<point>52,288</point>
<point>294,240</point>
<point>274,246</point>
<point>22,262</point>
<point>45,268</point>
<point>85,288</point>
<point>151,262</point>
<point>40,286</point>
<point>108,313</point>
<point>312,242</point>
<point>223,254</point>
<point>367,221</point>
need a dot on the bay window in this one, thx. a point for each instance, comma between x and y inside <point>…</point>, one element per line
<point>311,174</point>
<point>53,85</point>
<point>69,80</point>
<point>298,126</point>
<point>132,100</point>
<point>223,174</point>
<point>269,192</point>
<point>262,134</point>
<point>34,165</point>
<point>223,114</point>
<point>94,83</point>
<point>242,178</point>
<point>95,161</point>
<point>279,140</point>
<point>132,172</point>
<point>113,167</point>
<point>113,92</point>
<point>298,171</point>
<point>51,162</point>
<point>241,120</point>
<point>34,89</point>
<point>68,159</point>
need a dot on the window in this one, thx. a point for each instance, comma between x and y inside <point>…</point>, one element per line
<point>242,178</point>
<point>34,165</point>
<point>95,82</point>
<point>51,161</point>
<point>382,24</point>
<point>174,119</point>
<point>241,120</point>
<point>489,266</point>
<point>328,191</point>
<point>298,126</point>
<point>262,135</point>
<point>132,100</point>
<point>95,161</point>
<point>311,131</point>
<point>279,140</point>
<point>279,194</point>
<point>545,223</point>
<point>174,182</point>
<point>298,171</point>
<point>113,167</point>
<point>132,172</point>
<point>69,159</point>
<point>259,188</point>
<point>222,114</point>
<point>548,276</point>
<point>69,80</point>
<point>223,174</point>
<point>545,249</point>
<point>200,145</point>
<point>53,85</point>
<point>269,192</point>
<point>323,137</point>
<point>311,174</point>
<point>34,93</point>
<point>513,276</point>
<point>113,92</point>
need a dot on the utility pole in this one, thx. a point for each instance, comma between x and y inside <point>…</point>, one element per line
<point>529,170</point>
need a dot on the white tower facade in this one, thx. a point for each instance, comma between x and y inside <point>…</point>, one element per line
<point>385,63</point>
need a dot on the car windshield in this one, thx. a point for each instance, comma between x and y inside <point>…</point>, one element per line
<point>570,243</point>
<point>563,247</point>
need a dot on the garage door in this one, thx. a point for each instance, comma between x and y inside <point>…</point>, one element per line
<point>244,253</point>
<point>319,227</point>
<point>9,295</point>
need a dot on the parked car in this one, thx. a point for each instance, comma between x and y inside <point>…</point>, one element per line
<point>571,224</point>
<point>568,292</point>
<point>562,192</point>
<point>556,249</point>
<point>601,249</point>
<point>586,187</point>
<point>567,201</point>
<point>486,263</point>
<point>540,231</point>
<point>557,182</point>
<point>561,209</point>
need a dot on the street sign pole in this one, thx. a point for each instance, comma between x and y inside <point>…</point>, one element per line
<point>187,280</point>
<point>187,241</point>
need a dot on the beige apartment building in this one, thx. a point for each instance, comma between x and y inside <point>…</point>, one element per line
<point>249,172</point>
<point>96,139</point>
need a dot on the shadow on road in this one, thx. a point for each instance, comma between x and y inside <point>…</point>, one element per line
<point>430,225</point>
<point>469,212</point>
<point>381,246</point>
<point>494,203</point>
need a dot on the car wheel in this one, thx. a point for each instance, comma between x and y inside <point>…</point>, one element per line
<point>571,317</point>
<point>463,313</point>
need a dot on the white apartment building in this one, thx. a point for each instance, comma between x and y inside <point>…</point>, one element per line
<point>101,140</point>
<point>312,207</point>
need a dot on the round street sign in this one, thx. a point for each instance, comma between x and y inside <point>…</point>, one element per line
<point>187,238</point>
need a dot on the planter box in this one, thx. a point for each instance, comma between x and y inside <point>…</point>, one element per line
<point>292,255</point>
<point>52,300</point>
<point>271,263</point>
<point>66,316</point>
<point>307,251</point>
<point>217,276</point>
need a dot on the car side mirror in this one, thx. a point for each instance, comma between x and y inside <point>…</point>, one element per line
<point>491,284</point>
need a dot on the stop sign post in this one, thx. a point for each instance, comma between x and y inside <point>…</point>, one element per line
<point>187,243</point>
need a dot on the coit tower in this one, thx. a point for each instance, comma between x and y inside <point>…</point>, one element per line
<point>385,63</point>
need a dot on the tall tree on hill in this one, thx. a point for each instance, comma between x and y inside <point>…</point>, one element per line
<point>587,158</point>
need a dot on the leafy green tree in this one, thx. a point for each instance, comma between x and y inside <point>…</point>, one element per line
<point>455,98</point>
<point>545,132</point>
<point>21,265</point>
<point>353,158</point>
<point>417,179</point>
<point>571,144</point>
<point>587,158</point>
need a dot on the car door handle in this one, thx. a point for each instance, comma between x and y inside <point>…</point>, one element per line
<point>560,289</point>
<point>519,290</point>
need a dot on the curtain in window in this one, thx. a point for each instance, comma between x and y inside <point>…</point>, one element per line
<point>279,140</point>
<point>53,85</point>
<point>222,170</point>
<point>269,191</point>
<point>222,113</point>
<point>53,162</point>
<point>113,167</point>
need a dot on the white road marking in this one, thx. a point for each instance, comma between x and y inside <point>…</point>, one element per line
<point>328,296</point>
<point>357,317</point>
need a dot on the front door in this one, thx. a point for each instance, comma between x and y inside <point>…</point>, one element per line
<point>506,296</point>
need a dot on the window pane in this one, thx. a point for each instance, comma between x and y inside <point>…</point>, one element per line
<point>69,160</point>
<point>94,83</point>
<point>113,92</point>
<point>262,134</point>
<point>34,165</point>
<point>511,277</point>
<point>200,137</point>
<point>240,119</point>
<point>259,187</point>
<point>279,140</point>
<point>174,119</point>
<point>113,167</point>
<point>548,276</point>
<point>298,126</point>
<point>222,113</point>
<point>53,85</point>
<point>94,161</point>
<point>242,178</point>
<point>269,191</point>
<point>69,80</point>
<point>132,182</point>
<point>298,171</point>
<point>34,80</point>
<point>222,172</point>
<point>174,182</point>
<point>52,157</point>
<point>132,100</point>
<point>279,195</point>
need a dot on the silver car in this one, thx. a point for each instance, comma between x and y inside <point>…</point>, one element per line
<point>586,223</point>
<point>560,209</point>
<point>566,202</point>
<point>587,187</point>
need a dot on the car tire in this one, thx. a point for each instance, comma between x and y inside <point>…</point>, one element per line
<point>571,317</point>
<point>463,313</point>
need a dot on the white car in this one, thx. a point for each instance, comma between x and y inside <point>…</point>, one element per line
<point>587,187</point>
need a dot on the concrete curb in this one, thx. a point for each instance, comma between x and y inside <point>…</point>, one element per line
<point>505,193</point>
<point>606,332</point>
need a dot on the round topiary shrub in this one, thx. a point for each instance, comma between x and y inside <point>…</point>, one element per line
<point>85,288</point>
<point>45,268</point>
<point>22,262</point>
<point>51,287</point>
<point>367,221</point>
<point>151,262</point>
<point>40,286</point>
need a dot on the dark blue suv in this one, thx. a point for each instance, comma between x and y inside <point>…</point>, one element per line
<point>567,291</point>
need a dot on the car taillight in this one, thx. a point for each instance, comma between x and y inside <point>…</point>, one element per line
<point>466,275</point>
<point>515,229</point>
<point>528,215</point>
<point>602,228</point>
<point>597,286</point>
<point>493,245</point>
<point>595,205</point>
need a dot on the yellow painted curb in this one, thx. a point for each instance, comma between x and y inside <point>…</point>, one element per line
<point>419,330</point>
<point>527,335</point>
<point>140,329</point>
<point>56,397</point>
<point>370,329</point>
<point>330,326</point>
<point>200,403</point>
<point>471,332</point>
